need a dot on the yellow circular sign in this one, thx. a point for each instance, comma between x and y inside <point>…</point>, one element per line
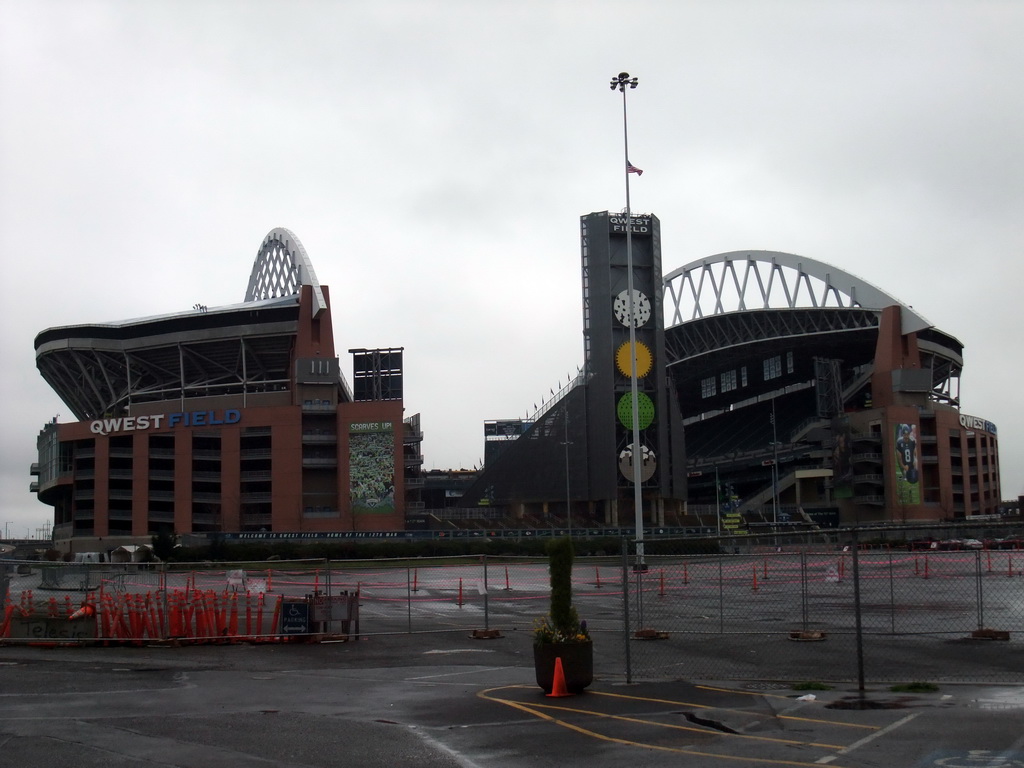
<point>644,359</point>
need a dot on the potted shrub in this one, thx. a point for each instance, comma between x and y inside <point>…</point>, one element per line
<point>561,634</point>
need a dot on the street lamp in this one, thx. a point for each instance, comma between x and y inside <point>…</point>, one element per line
<point>620,82</point>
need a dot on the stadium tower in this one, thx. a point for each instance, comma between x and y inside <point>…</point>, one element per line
<point>571,465</point>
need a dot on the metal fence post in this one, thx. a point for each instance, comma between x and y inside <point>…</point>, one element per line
<point>625,609</point>
<point>167,609</point>
<point>979,590</point>
<point>721,596</point>
<point>803,588</point>
<point>892,595</point>
<point>487,619</point>
<point>408,599</point>
<point>857,613</point>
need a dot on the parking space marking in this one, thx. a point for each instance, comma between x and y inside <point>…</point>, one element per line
<point>548,712</point>
<point>879,733</point>
<point>738,711</point>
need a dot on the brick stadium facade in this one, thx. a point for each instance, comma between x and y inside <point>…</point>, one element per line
<point>778,391</point>
<point>224,420</point>
<point>811,396</point>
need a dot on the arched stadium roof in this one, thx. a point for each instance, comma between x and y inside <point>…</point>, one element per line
<point>281,268</point>
<point>740,281</point>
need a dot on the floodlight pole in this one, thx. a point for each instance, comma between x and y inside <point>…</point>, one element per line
<point>620,82</point>
<point>775,470</point>
<point>568,497</point>
<point>718,503</point>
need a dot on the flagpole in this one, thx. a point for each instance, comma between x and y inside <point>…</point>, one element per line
<point>620,82</point>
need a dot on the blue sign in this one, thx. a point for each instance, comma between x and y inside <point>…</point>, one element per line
<point>295,617</point>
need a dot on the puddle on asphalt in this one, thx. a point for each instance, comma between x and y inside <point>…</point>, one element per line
<point>1000,699</point>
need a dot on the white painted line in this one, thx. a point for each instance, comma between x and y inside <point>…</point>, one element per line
<point>868,739</point>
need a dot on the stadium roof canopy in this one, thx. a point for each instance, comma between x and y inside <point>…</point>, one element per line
<point>103,368</point>
<point>747,280</point>
<point>745,305</point>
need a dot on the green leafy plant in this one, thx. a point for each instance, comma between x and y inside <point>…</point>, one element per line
<point>562,624</point>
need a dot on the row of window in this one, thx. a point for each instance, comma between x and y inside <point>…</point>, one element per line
<point>727,381</point>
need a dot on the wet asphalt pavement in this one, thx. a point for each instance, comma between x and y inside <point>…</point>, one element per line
<point>445,700</point>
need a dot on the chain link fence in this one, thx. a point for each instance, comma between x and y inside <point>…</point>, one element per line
<point>807,611</point>
<point>762,608</point>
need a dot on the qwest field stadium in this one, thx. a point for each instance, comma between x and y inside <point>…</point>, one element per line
<point>774,391</point>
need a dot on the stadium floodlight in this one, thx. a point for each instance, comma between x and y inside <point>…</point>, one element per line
<point>621,81</point>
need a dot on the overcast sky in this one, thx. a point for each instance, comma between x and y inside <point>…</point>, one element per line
<point>434,158</point>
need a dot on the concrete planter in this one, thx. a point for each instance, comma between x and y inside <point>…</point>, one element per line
<point>577,665</point>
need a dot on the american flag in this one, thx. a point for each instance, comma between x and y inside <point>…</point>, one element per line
<point>630,168</point>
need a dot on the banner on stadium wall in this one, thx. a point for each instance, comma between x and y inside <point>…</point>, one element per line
<point>842,459</point>
<point>907,459</point>
<point>371,470</point>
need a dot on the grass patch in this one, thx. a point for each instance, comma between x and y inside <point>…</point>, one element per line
<point>915,688</point>
<point>811,686</point>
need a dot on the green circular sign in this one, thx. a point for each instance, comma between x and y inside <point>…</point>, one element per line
<point>644,409</point>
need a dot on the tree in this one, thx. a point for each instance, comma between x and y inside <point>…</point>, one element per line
<point>164,543</point>
<point>563,615</point>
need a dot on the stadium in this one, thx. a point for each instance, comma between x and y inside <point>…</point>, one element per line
<point>228,419</point>
<point>807,396</point>
<point>814,397</point>
<point>774,392</point>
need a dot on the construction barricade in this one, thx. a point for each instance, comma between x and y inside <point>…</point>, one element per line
<point>57,604</point>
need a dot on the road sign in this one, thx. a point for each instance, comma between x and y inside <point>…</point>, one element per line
<point>334,608</point>
<point>295,617</point>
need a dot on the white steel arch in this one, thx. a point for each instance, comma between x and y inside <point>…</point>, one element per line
<point>747,280</point>
<point>281,268</point>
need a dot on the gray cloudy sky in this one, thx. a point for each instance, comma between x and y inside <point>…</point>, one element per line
<point>434,158</point>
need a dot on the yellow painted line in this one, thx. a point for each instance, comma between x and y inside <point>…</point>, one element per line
<point>727,709</point>
<point>535,711</point>
<point>695,729</point>
<point>839,723</point>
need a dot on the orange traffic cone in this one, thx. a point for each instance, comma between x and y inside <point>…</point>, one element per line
<point>558,688</point>
<point>84,612</point>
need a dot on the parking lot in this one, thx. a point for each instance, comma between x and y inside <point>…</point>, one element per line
<point>446,700</point>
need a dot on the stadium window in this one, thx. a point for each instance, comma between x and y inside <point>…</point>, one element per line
<point>743,376</point>
<point>707,387</point>
<point>772,368</point>
<point>789,362</point>
<point>729,381</point>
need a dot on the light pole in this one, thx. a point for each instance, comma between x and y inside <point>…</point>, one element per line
<point>775,469</point>
<point>568,498</point>
<point>620,82</point>
<point>718,503</point>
